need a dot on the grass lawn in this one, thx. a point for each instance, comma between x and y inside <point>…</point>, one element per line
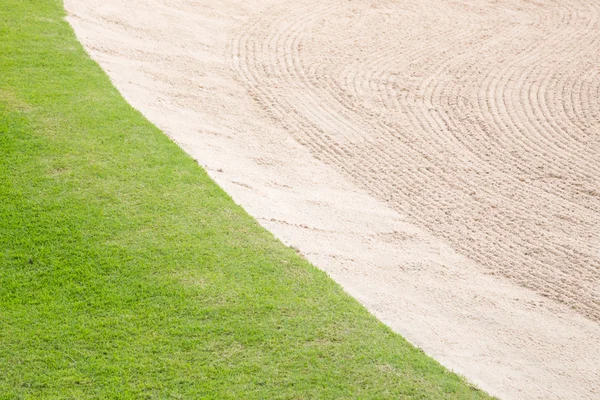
<point>125,272</point>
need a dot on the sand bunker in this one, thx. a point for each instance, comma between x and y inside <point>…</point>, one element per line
<point>439,159</point>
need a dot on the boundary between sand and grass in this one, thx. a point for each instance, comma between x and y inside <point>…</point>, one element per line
<point>125,272</point>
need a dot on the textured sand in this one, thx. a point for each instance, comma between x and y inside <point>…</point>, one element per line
<point>439,159</point>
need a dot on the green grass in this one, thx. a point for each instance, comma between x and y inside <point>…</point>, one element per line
<point>125,272</point>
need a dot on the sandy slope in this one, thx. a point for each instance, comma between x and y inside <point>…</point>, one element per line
<point>439,159</point>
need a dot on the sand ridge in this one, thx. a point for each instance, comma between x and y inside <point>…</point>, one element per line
<point>438,159</point>
<point>464,130</point>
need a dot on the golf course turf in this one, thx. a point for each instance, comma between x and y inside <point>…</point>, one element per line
<point>125,272</point>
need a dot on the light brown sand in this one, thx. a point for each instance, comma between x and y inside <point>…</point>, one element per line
<point>439,159</point>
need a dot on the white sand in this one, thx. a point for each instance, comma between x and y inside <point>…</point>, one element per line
<point>439,159</point>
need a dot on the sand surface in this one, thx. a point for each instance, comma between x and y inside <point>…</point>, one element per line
<point>439,159</point>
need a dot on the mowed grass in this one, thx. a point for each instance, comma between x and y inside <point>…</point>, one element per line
<point>126,273</point>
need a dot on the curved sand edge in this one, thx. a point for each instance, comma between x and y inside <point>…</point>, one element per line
<point>171,61</point>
